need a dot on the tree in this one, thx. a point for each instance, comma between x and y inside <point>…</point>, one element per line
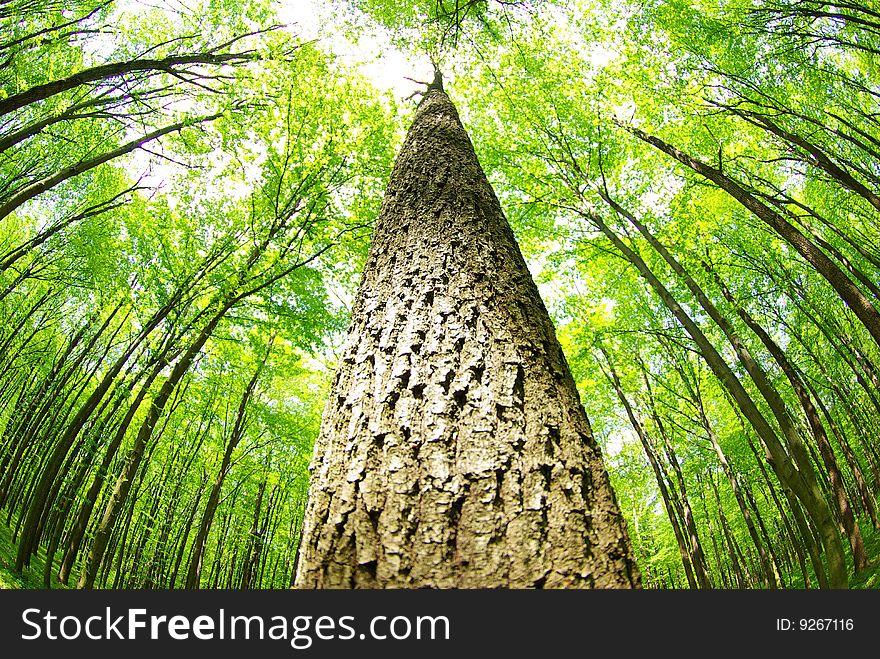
<point>123,314</point>
<point>454,449</point>
<point>698,208</point>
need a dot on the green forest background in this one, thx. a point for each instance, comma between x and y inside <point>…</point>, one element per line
<point>186,198</point>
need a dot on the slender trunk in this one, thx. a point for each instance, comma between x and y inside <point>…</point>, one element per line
<point>796,542</point>
<point>114,70</point>
<point>819,158</point>
<point>195,565</point>
<point>46,480</point>
<point>184,537</point>
<point>789,475</point>
<point>771,574</point>
<point>853,532</point>
<point>736,558</point>
<point>683,548</point>
<point>868,500</point>
<point>768,565</point>
<point>49,182</point>
<point>849,292</point>
<point>252,551</point>
<point>133,461</point>
<point>771,547</point>
<point>815,502</point>
<point>85,512</point>
<point>699,558</point>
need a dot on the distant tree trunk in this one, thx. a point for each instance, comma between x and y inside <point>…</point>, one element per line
<point>454,450</point>
<point>701,568</point>
<point>737,560</point>
<point>184,536</point>
<point>198,552</point>
<point>794,471</point>
<point>44,491</point>
<point>136,453</point>
<point>854,534</point>
<point>672,510</point>
<point>254,543</point>
<point>771,574</point>
<point>853,463</point>
<point>860,305</point>
<point>78,530</point>
<point>796,543</point>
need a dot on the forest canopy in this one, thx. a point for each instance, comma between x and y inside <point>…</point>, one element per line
<point>187,196</point>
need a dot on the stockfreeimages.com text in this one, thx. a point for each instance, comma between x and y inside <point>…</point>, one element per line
<point>301,631</point>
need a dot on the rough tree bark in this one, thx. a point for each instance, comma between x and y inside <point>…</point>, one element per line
<point>454,450</point>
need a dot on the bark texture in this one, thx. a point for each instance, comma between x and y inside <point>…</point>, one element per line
<point>454,450</point>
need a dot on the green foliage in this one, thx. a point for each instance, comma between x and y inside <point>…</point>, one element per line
<point>262,196</point>
<point>263,208</point>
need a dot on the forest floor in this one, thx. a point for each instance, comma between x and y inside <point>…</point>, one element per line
<point>870,578</point>
<point>32,577</point>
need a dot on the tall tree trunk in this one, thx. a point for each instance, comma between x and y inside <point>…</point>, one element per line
<point>811,495</point>
<point>133,459</point>
<point>254,544</point>
<point>44,493</point>
<point>799,541</point>
<point>737,560</point>
<point>454,450</point>
<point>852,461</point>
<point>689,524</point>
<point>78,530</point>
<point>771,575</point>
<point>184,536</point>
